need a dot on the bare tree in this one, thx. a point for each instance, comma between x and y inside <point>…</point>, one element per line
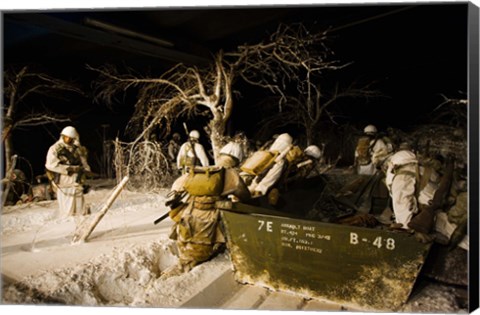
<point>310,108</point>
<point>452,111</point>
<point>291,59</point>
<point>291,55</point>
<point>19,85</point>
<point>181,91</point>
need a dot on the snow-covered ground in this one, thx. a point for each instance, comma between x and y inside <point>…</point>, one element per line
<point>120,263</point>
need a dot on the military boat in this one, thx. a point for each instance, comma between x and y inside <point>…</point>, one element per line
<point>284,249</point>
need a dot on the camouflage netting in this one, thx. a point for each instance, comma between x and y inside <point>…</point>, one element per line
<point>442,140</point>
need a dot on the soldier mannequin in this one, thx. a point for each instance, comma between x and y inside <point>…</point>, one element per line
<point>65,164</point>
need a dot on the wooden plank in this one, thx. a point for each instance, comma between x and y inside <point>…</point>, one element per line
<point>87,226</point>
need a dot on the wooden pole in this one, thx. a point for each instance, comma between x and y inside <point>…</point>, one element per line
<point>86,228</point>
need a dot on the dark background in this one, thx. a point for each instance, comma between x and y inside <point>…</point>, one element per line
<point>414,52</point>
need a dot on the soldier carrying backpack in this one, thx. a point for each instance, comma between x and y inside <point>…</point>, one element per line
<point>198,230</point>
<point>371,151</point>
<point>191,153</point>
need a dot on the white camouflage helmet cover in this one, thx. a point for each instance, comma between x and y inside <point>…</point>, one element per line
<point>313,151</point>
<point>370,129</point>
<point>234,149</point>
<point>70,131</point>
<point>194,134</point>
<point>282,142</point>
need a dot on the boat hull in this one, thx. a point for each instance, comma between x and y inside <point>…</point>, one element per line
<point>371,269</point>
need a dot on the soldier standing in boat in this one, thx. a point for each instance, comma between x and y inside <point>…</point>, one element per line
<point>269,175</point>
<point>371,151</point>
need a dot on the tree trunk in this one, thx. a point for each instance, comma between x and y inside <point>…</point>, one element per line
<point>309,134</point>
<point>8,127</point>
<point>217,134</point>
<point>8,177</point>
<point>8,147</point>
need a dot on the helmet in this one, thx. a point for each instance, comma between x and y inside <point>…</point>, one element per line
<point>194,134</point>
<point>282,142</point>
<point>176,136</point>
<point>370,130</point>
<point>233,149</point>
<point>69,131</point>
<point>313,151</point>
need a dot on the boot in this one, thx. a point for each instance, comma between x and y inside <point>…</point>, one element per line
<point>172,271</point>
<point>178,269</point>
<point>424,221</point>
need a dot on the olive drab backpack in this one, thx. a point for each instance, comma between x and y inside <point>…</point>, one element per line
<point>258,162</point>
<point>294,154</point>
<point>363,151</point>
<point>205,181</point>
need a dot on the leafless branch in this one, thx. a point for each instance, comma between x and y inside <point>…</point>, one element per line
<point>309,109</point>
<point>291,59</point>
<point>19,85</point>
<point>291,54</point>
<point>452,111</point>
<point>451,101</point>
<point>38,120</point>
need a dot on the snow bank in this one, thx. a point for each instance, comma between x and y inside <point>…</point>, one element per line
<point>121,264</point>
<point>127,277</point>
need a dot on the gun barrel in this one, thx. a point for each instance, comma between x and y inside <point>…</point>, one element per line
<point>163,217</point>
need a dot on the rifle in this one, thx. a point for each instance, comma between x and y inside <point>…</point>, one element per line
<point>174,201</point>
<point>70,158</point>
<point>73,160</point>
<point>175,211</point>
<point>163,217</point>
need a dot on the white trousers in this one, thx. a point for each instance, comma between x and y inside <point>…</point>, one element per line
<point>403,198</point>
<point>269,180</point>
<point>70,197</point>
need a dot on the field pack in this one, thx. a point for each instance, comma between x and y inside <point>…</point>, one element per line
<point>205,181</point>
<point>258,162</point>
